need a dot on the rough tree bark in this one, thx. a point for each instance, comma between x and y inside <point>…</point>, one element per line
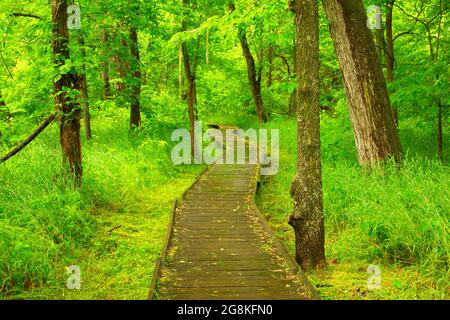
<point>84,96</point>
<point>293,97</point>
<point>306,189</point>
<point>135,115</point>
<point>375,133</point>
<point>254,80</point>
<point>68,107</point>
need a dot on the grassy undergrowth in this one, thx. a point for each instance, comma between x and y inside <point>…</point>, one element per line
<point>395,219</point>
<point>113,228</point>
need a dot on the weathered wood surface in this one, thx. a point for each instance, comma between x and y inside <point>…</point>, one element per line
<point>219,247</point>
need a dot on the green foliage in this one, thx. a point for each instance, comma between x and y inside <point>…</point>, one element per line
<point>388,216</point>
<point>396,218</point>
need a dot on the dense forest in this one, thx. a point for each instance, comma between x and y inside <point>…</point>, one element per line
<point>91,91</point>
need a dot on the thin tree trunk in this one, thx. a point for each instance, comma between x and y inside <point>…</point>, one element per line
<point>121,66</point>
<point>2,101</point>
<point>253,78</point>
<point>439,131</point>
<point>84,96</point>
<point>389,52</point>
<point>306,189</point>
<point>374,129</point>
<point>207,47</point>
<point>4,110</point>
<point>190,98</point>
<point>68,107</point>
<point>270,72</point>
<point>105,69</point>
<point>135,115</point>
<point>191,95</point>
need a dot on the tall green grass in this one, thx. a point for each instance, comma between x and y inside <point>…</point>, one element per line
<point>386,216</point>
<point>46,225</point>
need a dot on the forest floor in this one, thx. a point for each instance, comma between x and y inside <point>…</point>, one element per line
<point>113,228</point>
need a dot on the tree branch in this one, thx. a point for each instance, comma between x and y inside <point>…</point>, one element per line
<point>27,15</point>
<point>30,138</point>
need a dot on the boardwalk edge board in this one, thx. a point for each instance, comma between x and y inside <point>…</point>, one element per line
<point>294,268</point>
<point>159,263</point>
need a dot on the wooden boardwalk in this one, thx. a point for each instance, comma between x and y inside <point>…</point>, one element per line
<point>220,247</point>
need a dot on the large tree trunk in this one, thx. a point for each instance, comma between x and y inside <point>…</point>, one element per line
<point>105,69</point>
<point>84,96</point>
<point>375,133</point>
<point>389,52</point>
<point>293,97</point>
<point>68,107</point>
<point>135,116</point>
<point>306,189</point>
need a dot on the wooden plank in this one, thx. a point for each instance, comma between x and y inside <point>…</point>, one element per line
<point>216,252</point>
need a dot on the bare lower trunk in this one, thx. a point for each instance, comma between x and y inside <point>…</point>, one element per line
<point>84,96</point>
<point>306,189</point>
<point>135,113</point>
<point>68,107</point>
<point>375,133</point>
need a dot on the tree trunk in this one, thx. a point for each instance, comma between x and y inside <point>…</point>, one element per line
<point>293,97</point>
<point>255,83</point>
<point>439,131</point>
<point>389,52</point>
<point>105,69</point>
<point>2,101</point>
<point>270,72</point>
<point>121,66</point>
<point>68,107</point>
<point>135,116</point>
<point>306,189</point>
<point>253,78</point>
<point>84,96</point>
<point>375,133</point>
<point>191,95</point>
